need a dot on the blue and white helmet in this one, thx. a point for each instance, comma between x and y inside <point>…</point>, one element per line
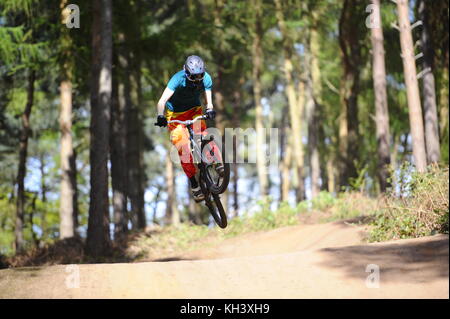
<point>194,68</point>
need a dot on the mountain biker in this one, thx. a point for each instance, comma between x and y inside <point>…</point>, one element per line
<point>181,101</point>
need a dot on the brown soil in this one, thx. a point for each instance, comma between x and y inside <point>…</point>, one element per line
<point>308,261</point>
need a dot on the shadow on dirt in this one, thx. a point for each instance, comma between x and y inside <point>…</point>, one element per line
<point>412,260</point>
<point>361,220</point>
<point>63,252</point>
<point>175,258</point>
<point>72,251</point>
<point>28,271</point>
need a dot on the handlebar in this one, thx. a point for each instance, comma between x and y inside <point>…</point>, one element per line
<point>188,122</point>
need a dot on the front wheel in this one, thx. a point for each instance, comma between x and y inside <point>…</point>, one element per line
<point>212,201</point>
<point>223,216</point>
<point>217,184</point>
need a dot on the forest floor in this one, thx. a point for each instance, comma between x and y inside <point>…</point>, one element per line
<point>328,260</point>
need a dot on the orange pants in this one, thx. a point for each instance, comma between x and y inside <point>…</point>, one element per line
<point>179,136</point>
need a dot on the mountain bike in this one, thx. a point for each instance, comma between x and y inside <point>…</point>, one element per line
<point>211,182</point>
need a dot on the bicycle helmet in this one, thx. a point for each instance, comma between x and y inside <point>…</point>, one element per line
<point>194,67</point>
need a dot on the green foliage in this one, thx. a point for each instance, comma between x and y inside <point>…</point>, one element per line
<point>263,219</point>
<point>421,210</point>
<point>397,227</point>
<point>322,202</point>
<point>6,224</point>
<point>16,51</point>
<point>26,6</point>
<point>168,239</point>
<point>352,205</point>
<point>360,181</point>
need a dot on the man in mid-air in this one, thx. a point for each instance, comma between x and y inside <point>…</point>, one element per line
<point>181,101</point>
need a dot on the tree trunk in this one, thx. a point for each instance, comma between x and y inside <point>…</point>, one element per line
<point>394,161</point>
<point>295,109</point>
<point>172,213</point>
<point>134,150</point>
<point>118,155</point>
<point>131,133</point>
<point>66,226</point>
<point>281,156</point>
<point>155,205</point>
<point>429,91</point>
<point>299,162</point>
<point>313,139</point>
<point>24,135</point>
<point>43,196</point>
<point>34,236</point>
<point>331,173</point>
<point>66,200</point>
<point>236,122</point>
<point>343,136</point>
<point>381,104</point>
<point>73,182</point>
<point>443,112</point>
<point>286,166</point>
<point>135,123</point>
<point>43,183</point>
<point>257,56</point>
<point>219,99</point>
<point>220,54</point>
<point>350,50</point>
<point>313,142</point>
<point>143,182</point>
<point>412,87</point>
<point>98,237</point>
<point>313,123</point>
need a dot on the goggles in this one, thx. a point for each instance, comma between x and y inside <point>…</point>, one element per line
<point>195,77</point>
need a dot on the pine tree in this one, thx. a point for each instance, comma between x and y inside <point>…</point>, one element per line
<point>98,238</point>
<point>381,103</point>
<point>412,86</point>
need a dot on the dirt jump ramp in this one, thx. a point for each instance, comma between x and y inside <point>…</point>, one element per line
<point>412,268</point>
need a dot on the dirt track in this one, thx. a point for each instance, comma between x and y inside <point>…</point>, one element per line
<point>309,261</point>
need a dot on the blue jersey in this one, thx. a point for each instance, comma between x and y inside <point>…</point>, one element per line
<point>186,95</point>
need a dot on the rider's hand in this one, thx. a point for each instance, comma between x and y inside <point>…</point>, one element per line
<point>210,114</point>
<point>161,121</point>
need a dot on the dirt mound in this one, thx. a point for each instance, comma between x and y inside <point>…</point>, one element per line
<point>282,240</point>
<point>321,261</point>
<point>415,268</point>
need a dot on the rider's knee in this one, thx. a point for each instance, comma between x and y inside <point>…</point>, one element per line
<point>178,136</point>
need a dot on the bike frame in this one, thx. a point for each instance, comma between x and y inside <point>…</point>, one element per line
<point>197,152</point>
